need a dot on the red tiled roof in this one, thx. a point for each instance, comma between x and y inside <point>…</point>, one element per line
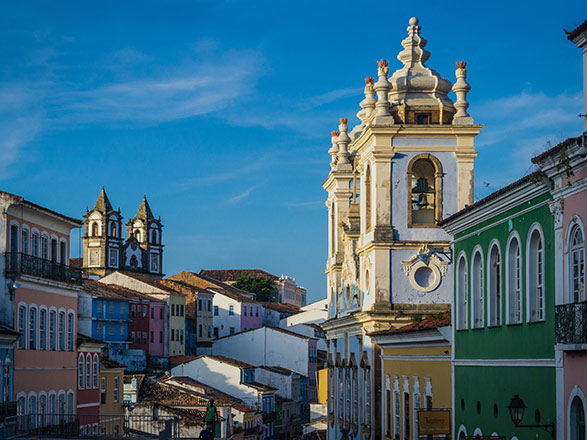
<point>154,283</point>
<point>228,275</point>
<point>430,323</point>
<point>113,291</point>
<point>107,363</point>
<point>210,392</point>
<point>206,283</point>
<point>284,308</point>
<point>180,359</point>
<point>228,360</point>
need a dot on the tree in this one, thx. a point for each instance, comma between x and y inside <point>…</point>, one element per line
<point>261,287</point>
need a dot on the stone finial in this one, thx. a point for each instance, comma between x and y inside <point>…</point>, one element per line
<point>367,104</point>
<point>382,87</point>
<point>343,140</point>
<point>334,149</point>
<point>461,88</point>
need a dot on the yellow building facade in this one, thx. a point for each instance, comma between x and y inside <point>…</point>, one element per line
<point>111,398</point>
<point>416,386</point>
<point>323,386</point>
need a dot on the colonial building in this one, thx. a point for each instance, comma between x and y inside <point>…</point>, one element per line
<point>416,377</point>
<point>405,166</point>
<point>503,310</point>
<point>105,250</point>
<point>88,383</point>
<point>39,288</point>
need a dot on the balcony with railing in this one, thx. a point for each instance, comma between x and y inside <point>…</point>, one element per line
<point>42,426</point>
<point>20,263</point>
<point>571,323</point>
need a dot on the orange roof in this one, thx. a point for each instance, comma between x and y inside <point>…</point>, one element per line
<point>430,323</point>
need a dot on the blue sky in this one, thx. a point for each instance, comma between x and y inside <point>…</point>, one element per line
<point>220,111</point>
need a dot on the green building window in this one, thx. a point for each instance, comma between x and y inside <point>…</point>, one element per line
<point>536,276</point>
<point>514,282</point>
<point>494,293</point>
<point>477,290</point>
<point>462,293</point>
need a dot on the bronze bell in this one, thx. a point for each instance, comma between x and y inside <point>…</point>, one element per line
<point>422,201</point>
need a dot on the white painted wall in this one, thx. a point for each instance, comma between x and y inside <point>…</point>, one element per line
<point>313,316</point>
<point>308,330</point>
<point>282,382</point>
<point>223,377</point>
<point>265,346</point>
<point>84,314</point>
<point>224,321</point>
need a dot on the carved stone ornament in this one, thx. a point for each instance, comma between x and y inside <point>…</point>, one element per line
<point>556,209</point>
<point>425,270</point>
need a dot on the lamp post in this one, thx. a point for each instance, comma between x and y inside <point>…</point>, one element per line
<point>517,408</point>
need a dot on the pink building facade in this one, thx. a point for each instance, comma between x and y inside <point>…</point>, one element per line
<point>88,390</point>
<point>157,317</point>
<point>43,303</point>
<point>251,315</point>
<point>566,164</point>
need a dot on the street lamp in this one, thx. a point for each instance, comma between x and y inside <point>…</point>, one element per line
<point>517,408</point>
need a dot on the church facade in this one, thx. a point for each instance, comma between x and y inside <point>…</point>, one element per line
<point>403,168</point>
<point>104,248</point>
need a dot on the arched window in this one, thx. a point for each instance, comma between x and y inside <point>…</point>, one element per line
<point>62,331</point>
<point>32,328</point>
<point>113,229</point>
<point>52,329</point>
<point>577,264</point>
<point>477,290</point>
<point>462,294</point>
<point>368,199</point>
<point>80,372</point>
<point>95,230</point>
<point>577,420</point>
<point>21,326</point>
<point>43,329</point>
<point>88,371</point>
<point>70,330</point>
<point>535,272</point>
<point>42,410</point>
<point>494,284</point>
<point>153,236</point>
<point>424,190</point>
<point>514,282</point>
<point>95,371</point>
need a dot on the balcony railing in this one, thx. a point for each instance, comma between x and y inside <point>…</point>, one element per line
<point>7,409</point>
<point>571,323</point>
<point>93,426</point>
<point>17,262</point>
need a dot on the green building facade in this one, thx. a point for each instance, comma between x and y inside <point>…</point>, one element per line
<point>503,312</point>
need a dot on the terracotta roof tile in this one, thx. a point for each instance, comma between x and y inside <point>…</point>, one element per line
<point>107,363</point>
<point>229,361</point>
<point>113,291</point>
<point>430,323</point>
<point>206,283</point>
<point>229,275</point>
<point>284,308</point>
<point>180,359</point>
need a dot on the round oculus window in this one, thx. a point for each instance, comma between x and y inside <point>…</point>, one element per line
<point>424,277</point>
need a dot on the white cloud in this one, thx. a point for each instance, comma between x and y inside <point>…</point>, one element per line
<point>241,196</point>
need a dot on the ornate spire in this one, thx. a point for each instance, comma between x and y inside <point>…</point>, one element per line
<point>367,104</point>
<point>461,88</point>
<point>334,149</point>
<point>103,204</point>
<point>382,88</point>
<point>415,84</point>
<point>145,210</point>
<point>343,140</point>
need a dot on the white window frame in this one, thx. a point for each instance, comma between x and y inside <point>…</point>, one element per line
<point>579,250</point>
<point>514,286</point>
<point>494,285</point>
<point>43,324</point>
<point>462,290</point>
<point>81,368</point>
<point>535,276</point>
<point>477,289</point>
